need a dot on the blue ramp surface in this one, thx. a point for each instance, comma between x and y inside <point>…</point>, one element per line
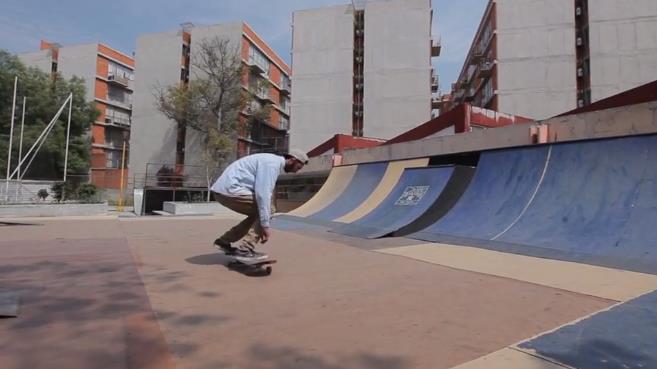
<point>415,192</point>
<point>366,178</point>
<point>586,200</point>
<point>595,202</point>
<point>503,183</point>
<point>622,337</point>
<point>361,185</point>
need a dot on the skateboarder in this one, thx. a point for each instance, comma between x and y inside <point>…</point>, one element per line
<point>246,187</point>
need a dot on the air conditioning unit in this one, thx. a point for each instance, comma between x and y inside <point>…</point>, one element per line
<point>580,72</point>
<point>579,41</point>
<point>578,11</point>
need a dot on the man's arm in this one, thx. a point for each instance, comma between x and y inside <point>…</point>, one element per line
<point>265,180</point>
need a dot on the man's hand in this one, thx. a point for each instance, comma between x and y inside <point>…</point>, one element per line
<point>266,233</point>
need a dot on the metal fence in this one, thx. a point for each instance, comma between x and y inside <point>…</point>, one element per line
<point>22,192</point>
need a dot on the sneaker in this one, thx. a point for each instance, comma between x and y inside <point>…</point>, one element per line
<point>225,247</point>
<point>247,249</point>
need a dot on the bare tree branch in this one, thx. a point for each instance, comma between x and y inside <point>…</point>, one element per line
<point>212,100</point>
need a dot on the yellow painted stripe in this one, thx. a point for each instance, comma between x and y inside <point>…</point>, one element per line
<point>613,284</point>
<point>509,359</point>
<point>382,190</point>
<point>335,184</point>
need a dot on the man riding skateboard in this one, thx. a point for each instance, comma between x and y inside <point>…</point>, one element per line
<point>246,187</point>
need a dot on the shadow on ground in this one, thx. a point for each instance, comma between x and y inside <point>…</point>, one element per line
<point>262,356</point>
<point>218,259</point>
<point>9,224</point>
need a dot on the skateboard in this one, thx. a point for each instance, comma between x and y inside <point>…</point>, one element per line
<point>257,264</point>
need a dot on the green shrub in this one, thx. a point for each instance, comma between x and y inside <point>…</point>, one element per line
<point>62,191</point>
<point>42,194</point>
<point>87,192</point>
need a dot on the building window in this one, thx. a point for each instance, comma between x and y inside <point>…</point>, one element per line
<point>284,104</point>
<point>258,58</point>
<point>487,93</point>
<point>114,137</point>
<point>120,71</point>
<point>486,36</point>
<point>285,82</point>
<point>119,95</point>
<point>113,159</point>
<point>285,123</point>
<point>117,117</point>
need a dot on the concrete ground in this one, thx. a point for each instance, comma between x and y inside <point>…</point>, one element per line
<point>134,293</point>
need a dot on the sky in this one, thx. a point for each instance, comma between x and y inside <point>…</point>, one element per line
<point>118,23</point>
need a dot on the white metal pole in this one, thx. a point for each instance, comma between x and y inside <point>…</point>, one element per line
<point>20,149</point>
<point>11,136</point>
<point>120,208</point>
<point>20,144</point>
<point>68,131</point>
<point>45,131</point>
<point>35,152</point>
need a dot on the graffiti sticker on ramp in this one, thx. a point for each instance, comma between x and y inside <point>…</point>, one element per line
<point>412,195</point>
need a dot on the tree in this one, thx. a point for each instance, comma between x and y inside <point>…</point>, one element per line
<point>211,102</point>
<point>45,96</point>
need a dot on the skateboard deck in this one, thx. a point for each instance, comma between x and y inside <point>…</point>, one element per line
<point>259,263</point>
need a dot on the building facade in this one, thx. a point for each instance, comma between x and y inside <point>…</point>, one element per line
<point>109,77</point>
<point>541,58</point>
<point>362,69</point>
<point>167,57</point>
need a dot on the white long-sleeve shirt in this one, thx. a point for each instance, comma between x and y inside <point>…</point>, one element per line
<point>253,174</point>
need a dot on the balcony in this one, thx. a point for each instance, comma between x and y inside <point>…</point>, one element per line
<point>470,94</point>
<point>477,54</point>
<point>117,121</point>
<point>435,47</point>
<point>283,109</point>
<point>434,82</point>
<point>486,68</point>
<point>257,62</point>
<point>111,145</point>
<point>125,104</point>
<point>118,80</point>
<point>255,67</point>
<point>264,96</point>
<point>251,108</point>
<point>435,102</point>
<point>472,68</point>
<point>284,124</point>
<point>286,87</point>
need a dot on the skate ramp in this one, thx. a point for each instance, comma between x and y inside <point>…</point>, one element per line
<point>335,184</point>
<point>416,195</point>
<point>349,193</point>
<point>393,172</point>
<point>366,177</point>
<point>503,183</point>
<point>621,337</point>
<point>592,202</point>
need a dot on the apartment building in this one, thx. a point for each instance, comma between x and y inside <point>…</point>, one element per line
<point>167,59</point>
<point>540,58</point>
<point>361,69</point>
<point>109,77</point>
